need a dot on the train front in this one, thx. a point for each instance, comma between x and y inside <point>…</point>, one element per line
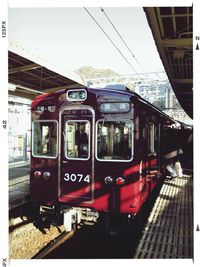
<point>82,143</point>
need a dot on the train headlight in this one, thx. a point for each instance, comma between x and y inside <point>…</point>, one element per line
<point>120,181</point>
<point>37,174</point>
<point>46,175</point>
<point>76,95</point>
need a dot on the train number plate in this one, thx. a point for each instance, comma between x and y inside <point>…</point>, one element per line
<point>77,177</point>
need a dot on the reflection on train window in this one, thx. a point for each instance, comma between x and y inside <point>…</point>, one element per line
<point>151,137</point>
<point>77,139</point>
<point>115,140</point>
<point>45,139</point>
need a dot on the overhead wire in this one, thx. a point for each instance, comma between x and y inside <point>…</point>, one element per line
<point>120,36</point>
<point>112,41</point>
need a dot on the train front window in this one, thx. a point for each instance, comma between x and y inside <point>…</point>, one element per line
<point>45,139</point>
<point>77,137</point>
<point>114,140</point>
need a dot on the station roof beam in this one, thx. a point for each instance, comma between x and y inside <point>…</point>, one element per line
<point>172,29</point>
<point>32,78</point>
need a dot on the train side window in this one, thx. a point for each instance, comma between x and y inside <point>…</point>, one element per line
<point>44,141</point>
<point>77,140</point>
<point>114,140</point>
<point>151,137</point>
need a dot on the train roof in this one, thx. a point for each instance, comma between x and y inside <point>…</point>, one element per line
<point>114,88</point>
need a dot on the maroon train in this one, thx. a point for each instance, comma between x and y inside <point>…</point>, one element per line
<point>96,150</point>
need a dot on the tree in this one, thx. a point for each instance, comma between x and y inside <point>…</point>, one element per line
<point>89,72</point>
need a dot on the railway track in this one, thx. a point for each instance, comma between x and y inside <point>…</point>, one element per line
<point>54,244</point>
<point>58,241</point>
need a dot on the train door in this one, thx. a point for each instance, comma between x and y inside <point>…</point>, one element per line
<point>76,159</point>
<point>159,148</point>
<point>153,153</point>
<point>144,159</point>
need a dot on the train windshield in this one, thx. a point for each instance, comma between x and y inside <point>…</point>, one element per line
<point>77,139</point>
<point>45,139</point>
<point>115,140</point>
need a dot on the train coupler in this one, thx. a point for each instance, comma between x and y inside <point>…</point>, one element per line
<point>70,217</point>
<point>47,210</point>
<point>50,214</point>
<point>74,216</point>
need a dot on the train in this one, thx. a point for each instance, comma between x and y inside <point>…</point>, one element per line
<point>97,151</point>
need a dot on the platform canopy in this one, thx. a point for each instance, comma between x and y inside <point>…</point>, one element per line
<point>30,75</point>
<point>172,29</point>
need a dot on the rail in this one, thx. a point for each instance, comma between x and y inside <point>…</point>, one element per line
<point>64,236</point>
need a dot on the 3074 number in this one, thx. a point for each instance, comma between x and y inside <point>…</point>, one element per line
<point>76,178</point>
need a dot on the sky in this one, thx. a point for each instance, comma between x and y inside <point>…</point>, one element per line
<point>69,37</point>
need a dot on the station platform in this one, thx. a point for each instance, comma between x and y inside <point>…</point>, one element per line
<point>169,230</point>
<point>18,184</point>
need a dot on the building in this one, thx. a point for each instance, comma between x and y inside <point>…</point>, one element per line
<point>19,124</point>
